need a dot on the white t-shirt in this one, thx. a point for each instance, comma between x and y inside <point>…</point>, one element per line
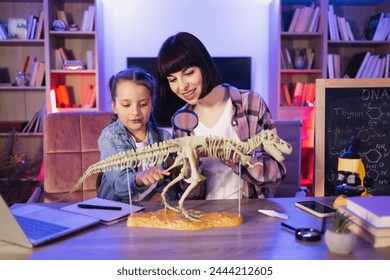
<point>221,182</point>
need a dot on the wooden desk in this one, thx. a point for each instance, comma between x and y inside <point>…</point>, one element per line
<point>260,237</point>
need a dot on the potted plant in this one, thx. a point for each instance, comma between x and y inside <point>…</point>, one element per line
<point>338,238</point>
<point>16,172</point>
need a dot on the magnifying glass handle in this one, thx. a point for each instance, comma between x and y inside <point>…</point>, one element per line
<point>323,227</point>
<point>287,226</point>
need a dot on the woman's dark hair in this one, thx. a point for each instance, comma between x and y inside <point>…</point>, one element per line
<point>140,77</point>
<point>181,51</point>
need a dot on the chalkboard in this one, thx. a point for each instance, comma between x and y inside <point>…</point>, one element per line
<point>352,108</point>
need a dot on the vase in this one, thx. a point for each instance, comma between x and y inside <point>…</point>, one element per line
<point>340,243</point>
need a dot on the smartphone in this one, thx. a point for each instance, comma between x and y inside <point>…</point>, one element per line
<point>316,208</point>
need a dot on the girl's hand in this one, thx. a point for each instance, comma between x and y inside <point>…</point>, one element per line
<point>150,176</point>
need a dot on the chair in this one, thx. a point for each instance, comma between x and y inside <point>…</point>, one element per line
<point>290,131</point>
<point>70,147</point>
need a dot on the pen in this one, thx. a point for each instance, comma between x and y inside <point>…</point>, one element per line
<point>89,206</point>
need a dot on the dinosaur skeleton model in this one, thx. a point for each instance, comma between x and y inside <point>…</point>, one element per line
<point>187,150</point>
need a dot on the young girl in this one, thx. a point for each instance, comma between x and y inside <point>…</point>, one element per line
<point>132,92</point>
<point>186,69</point>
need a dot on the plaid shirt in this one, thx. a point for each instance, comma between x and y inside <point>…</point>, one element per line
<point>250,116</point>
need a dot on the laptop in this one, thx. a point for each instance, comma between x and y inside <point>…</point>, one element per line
<point>31,225</point>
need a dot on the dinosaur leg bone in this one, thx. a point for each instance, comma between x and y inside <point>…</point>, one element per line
<point>181,176</point>
<point>194,180</point>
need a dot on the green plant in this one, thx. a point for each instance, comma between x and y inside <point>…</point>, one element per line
<point>15,170</point>
<point>340,222</point>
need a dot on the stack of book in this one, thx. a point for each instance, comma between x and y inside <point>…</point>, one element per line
<point>305,19</point>
<point>88,21</point>
<point>368,65</point>
<point>378,28</point>
<point>370,218</point>
<point>297,94</point>
<point>339,28</point>
<point>36,123</point>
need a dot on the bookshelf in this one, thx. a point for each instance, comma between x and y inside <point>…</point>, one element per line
<point>358,14</point>
<point>76,43</point>
<point>19,104</point>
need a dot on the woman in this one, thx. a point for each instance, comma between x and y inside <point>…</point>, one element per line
<point>132,91</point>
<point>185,68</point>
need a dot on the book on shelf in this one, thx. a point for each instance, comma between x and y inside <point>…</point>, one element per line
<point>285,95</point>
<point>107,217</point>
<point>58,62</point>
<point>313,27</point>
<point>309,58</point>
<point>3,31</point>
<point>379,67</point>
<point>30,27</point>
<point>363,64</point>
<point>343,28</point>
<point>65,17</point>
<point>378,237</point>
<point>356,65</point>
<point>334,33</point>
<point>294,20</point>
<point>88,98</point>
<point>84,22</point>
<point>74,65</point>
<point>36,122</point>
<point>337,65</point>
<point>373,25</point>
<point>283,64</point>
<point>61,55</point>
<point>34,71</point>
<point>53,101</point>
<point>288,59</point>
<point>39,32</point>
<point>350,33</point>
<point>40,76</point>
<point>304,19</point>
<point>62,97</point>
<point>89,58</point>
<point>64,54</point>
<point>91,18</point>
<point>330,65</point>
<point>5,78</point>
<point>297,93</point>
<point>382,30</point>
<point>373,209</point>
<point>369,69</point>
<point>387,66</point>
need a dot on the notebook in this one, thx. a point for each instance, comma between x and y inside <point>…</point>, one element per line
<point>106,216</point>
<point>31,225</point>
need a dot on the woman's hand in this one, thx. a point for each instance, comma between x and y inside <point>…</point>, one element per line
<point>150,176</point>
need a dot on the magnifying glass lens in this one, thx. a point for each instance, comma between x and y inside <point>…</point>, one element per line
<point>185,120</point>
<point>308,235</point>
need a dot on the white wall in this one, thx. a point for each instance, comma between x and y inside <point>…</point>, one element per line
<point>138,28</point>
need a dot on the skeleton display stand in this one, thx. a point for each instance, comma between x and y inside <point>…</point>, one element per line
<point>187,149</point>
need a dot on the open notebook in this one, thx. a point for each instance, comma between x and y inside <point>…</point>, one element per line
<point>106,216</point>
<point>30,225</point>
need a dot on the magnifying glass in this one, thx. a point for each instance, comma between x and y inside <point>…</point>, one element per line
<point>308,234</point>
<point>185,120</point>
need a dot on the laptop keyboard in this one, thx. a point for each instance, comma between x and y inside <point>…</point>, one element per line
<point>35,229</point>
